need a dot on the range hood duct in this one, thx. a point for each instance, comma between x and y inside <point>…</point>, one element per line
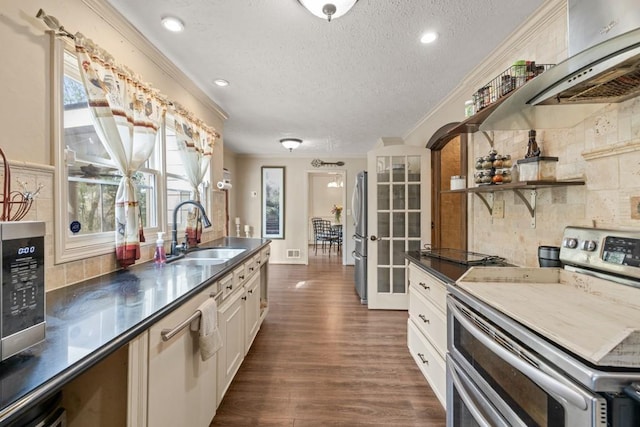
<point>566,94</point>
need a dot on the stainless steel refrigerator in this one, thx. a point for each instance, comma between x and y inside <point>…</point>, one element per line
<point>359,210</point>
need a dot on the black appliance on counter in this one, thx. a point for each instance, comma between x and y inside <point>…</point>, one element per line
<point>460,256</point>
<point>500,372</point>
<point>359,210</point>
<point>22,308</point>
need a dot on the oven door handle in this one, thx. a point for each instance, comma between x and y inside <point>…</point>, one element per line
<point>470,403</point>
<point>539,377</point>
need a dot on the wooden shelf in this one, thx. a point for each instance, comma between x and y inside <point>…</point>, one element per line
<point>520,185</point>
<point>485,193</point>
<point>469,125</point>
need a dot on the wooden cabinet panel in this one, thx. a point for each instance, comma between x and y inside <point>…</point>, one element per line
<point>431,364</point>
<point>177,375</point>
<point>431,321</point>
<point>430,287</point>
<point>252,310</point>
<point>231,324</point>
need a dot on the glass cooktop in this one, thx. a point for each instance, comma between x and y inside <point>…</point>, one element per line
<point>461,257</point>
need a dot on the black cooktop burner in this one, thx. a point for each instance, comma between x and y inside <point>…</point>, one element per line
<point>461,257</point>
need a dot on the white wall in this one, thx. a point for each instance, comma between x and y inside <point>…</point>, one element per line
<point>247,180</point>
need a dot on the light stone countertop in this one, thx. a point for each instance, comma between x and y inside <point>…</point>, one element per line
<point>596,319</point>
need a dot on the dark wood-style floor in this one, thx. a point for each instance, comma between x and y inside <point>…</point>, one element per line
<point>323,359</point>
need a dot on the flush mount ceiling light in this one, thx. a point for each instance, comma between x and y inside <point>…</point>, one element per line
<point>172,23</point>
<point>429,37</point>
<point>221,82</point>
<point>290,143</point>
<point>328,9</point>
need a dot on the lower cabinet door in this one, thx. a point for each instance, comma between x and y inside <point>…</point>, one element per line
<point>431,364</point>
<point>180,390</point>
<point>231,323</point>
<point>252,310</point>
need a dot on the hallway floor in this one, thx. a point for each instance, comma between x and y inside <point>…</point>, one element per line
<point>323,359</point>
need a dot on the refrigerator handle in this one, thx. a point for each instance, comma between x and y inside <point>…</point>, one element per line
<point>354,204</point>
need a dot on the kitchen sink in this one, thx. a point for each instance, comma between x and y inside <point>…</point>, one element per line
<point>215,253</point>
<point>200,261</point>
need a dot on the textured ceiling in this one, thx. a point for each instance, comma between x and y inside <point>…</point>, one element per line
<point>339,86</point>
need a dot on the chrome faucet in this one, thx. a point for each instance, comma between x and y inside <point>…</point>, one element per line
<point>174,231</point>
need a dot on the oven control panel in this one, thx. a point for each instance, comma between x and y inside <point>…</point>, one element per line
<point>609,251</point>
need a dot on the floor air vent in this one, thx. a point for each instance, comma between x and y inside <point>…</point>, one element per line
<point>293,253</point>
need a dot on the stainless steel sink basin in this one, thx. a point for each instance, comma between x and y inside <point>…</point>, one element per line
<point>220,253</point>
<point>200,261</point>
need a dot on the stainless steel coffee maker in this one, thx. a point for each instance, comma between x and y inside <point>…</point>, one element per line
<point>22,301</point>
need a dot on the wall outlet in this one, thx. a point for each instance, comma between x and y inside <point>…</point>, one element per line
<point>498,209</point>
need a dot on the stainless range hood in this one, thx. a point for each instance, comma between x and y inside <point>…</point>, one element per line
<point>566,94</point>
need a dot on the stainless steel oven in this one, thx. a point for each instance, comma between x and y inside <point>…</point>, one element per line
<point>519,388</point>
<point>502,373</point>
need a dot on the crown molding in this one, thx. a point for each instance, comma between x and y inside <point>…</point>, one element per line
<point>114,19</point>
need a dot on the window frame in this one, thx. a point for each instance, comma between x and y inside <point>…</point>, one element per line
<point>73,248</point>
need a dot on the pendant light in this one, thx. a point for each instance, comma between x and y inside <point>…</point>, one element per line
<point>328,9</point>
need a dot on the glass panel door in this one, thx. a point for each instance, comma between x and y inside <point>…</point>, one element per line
<point>396,194</point>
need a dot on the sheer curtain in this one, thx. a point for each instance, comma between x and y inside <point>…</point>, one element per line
<point>127,114</point>
<point>195,143</point>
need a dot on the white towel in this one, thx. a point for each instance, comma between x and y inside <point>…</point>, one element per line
<point>210,339</point>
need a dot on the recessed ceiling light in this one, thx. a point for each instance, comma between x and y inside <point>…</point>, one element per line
<point>221,82</point>
<point>429,37</point>
<point>172,23</point>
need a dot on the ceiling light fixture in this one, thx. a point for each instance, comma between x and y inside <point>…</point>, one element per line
<point>429,37</point>
<point>172,24</point>
<point>328,10</point>
<point>290,143</point>
<point>221,82</point>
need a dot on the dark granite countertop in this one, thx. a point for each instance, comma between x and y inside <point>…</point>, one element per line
<point>88,321</point>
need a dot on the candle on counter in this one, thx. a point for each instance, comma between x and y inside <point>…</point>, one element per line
<point>237,220</point>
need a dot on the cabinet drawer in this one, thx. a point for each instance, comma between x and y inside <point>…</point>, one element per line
<point>431,321</point>
<point>430,287</point>
<point>239,276</point>
<point>251,266</point>
<point>264,255</point>
<point>431,364</point>
<point>227,285</point>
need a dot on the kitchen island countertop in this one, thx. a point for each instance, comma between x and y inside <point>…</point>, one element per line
<point>88,321</point>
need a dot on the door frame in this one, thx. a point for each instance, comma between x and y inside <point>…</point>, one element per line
<point>435,145</point>
<point>308,198</point>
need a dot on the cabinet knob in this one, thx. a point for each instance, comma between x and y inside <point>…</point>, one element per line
<point>244,298</point>
<point>373,238</point>
<point>250,291</point>
<point>241,277</point>
<point>424,285</point>
<point>229,287</point>
<point>421,356</point>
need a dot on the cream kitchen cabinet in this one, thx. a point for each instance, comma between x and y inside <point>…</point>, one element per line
<point>231,323</point>
<point>181,387</point>
<point>427,327</point>
<point>252,310</point>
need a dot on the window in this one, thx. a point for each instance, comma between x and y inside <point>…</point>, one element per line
<point>87,179</point>
<point>178,186</point>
